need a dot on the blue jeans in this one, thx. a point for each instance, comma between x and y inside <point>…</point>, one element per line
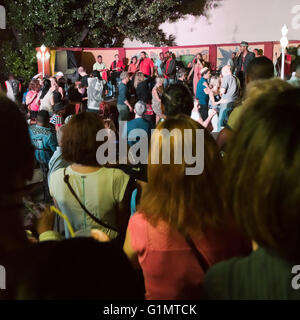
<point>225,110</point>
<point>168,81</point>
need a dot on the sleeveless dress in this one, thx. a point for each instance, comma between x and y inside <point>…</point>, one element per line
<point>156,105</point>
<point>197,76</point>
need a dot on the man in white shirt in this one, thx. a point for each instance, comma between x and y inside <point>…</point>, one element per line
<point>99,65</point>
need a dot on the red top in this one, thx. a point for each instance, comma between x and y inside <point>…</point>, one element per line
<point>171,270</point>
<point>146,65</point>
<point>288,64</point>
<point>120,65</point>
<point>167,67</point>
<point>132,68</point>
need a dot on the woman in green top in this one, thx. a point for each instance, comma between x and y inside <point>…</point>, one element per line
<point>263,193</point>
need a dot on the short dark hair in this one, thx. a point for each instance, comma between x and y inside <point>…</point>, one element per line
<point>79,143</point>
<point>177,99</point>
<point>263,171</point>
<point>144,52</point>
<point>43,117</point>
<point>96,74</point>
<point>260,68</point>
<point>99,56</point>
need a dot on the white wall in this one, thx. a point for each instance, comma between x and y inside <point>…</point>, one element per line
<point>234,21</point>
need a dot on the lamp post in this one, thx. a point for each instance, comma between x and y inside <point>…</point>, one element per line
<point>43,55</point>
<point>284,43</point>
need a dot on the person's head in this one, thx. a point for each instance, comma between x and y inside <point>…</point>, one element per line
<point>79,143</point>
<point>139,77</point>
<point>140,108</point>
<point>215,83</point>
<point>124,76</point>
<point>81,70</point>
<point>182,73</point>
<point>17,169</point>
<point>199,56</point>
<point>176,100</point>
<point>59,134</point>
<point>263,170</point>
<point>170,194</point>
<point>244,46</point>
<point>226,71</point>
<point>59,108</point>
<point>159,81</point>
<point>59,75</point>
<point>96,74</point>
<point>46,87</point>
<point>259,68</point>
<point>256,52</point>
<point>99,59</point>
<point>134,60</point>
<point>205,73</point>
<point>233,55</point>
<point>34,85</point>
<point>161,56</point>
<point>117,57</point>
<point>167,54</point>
<point>42,118</point>
<point>143,55</point>
<point>11,76</point>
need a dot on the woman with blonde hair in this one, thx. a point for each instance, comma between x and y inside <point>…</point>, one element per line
<point>157,93</point>
<point>181,227</point>
<point>262,183</point>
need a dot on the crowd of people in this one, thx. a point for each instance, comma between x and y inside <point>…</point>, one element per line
<point>150,231</point>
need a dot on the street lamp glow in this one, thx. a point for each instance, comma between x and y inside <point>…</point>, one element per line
<point>43,48</point>
<point>284,31</point>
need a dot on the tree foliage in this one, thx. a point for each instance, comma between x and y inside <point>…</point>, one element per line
<point>96,23</point>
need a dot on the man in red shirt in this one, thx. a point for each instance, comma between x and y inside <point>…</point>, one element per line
<point>146,65</point>
<point>116,68</point>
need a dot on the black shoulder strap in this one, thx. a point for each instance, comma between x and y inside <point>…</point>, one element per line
<point>66,180</point>
<point>200,258</point>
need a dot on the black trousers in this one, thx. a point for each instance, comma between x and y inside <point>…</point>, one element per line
<point>203,111</point>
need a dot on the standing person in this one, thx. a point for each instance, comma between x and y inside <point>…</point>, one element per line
<point>133,67</point>
<point>158,63</point>
<point>142,90</point>
<point>175,224</point>
<point>168,67</point>
<point>99,66</point>
<point>146,65</point>
<point>157,93</point>
<point>57,118</point>
<point>202,93</point>
<point>116,68</point>
<point>123,104</point>
<point>95,91</point>
<point>32,98</point>
<point>13,87</point>
<point>263,161</point>
<point>243,60</point>
<point>232,62</point>
<point>295,78</point>
<point>197,65</point>
<point>101,190</point>
<point>46,97</point>
<point>230,92</point>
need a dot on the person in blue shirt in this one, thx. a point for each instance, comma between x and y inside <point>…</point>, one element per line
<point>202,93</point>
<point>43,137</point>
